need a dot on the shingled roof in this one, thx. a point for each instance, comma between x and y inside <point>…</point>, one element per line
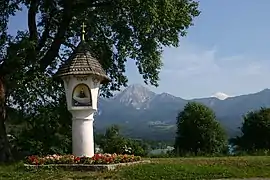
<point>81,62</point>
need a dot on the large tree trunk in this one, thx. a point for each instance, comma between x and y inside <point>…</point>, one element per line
<point>5,151</point>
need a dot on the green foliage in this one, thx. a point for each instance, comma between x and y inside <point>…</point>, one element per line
<point>40,120</point>
<point>260,152</point>
<point>255,131</point>
<point>199,132</point>
<point>138,148</point>
<point>113,142</point>
<point>47,130</point>
<point>117,31</point>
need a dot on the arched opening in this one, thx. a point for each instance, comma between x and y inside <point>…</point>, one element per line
<point>81,96</point>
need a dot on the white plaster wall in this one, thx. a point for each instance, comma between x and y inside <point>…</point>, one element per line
<point>82,117</point>
<point>71,82</point>
<point>95,94</point>
<point>82,137</point>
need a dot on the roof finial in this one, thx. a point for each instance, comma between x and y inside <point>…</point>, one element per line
<point>83,31</point>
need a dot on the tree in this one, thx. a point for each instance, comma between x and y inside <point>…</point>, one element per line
<point>50,125</point>
<point>255,131</point>
<point>137,147</point>
<point>117,30</point>
<point>113,142</point>
<point>198,131</point>
<point>41,114</point>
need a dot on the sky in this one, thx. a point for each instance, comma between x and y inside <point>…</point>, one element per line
<point>227,50</point>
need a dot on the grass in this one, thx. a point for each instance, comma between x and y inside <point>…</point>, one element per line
<point>163,168</point>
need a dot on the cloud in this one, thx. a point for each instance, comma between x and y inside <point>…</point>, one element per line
<point>192,61</point>
<point>185,61</point>
<point>191,71</point>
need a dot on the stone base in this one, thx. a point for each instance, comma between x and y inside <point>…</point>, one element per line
<point>85,167</point>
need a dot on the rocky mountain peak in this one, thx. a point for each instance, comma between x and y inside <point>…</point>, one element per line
<point>135,95</point>
<point>166,96</point>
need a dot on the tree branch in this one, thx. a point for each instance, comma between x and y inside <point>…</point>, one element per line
<point>60,58</point>
<point>44,35</point>
<point>73,47</point>
<point>32,26</point>
<point>59,37</point>
<point>63,27</point>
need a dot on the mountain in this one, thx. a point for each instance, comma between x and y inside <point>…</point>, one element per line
<point>142,113</point>
<point>220,95</point>
<point>135,95</point>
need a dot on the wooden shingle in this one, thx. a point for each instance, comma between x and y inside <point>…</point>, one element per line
<point>81,62</point>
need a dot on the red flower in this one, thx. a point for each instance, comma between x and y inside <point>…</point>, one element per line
<point>96,159</point>
<point>77,159</point>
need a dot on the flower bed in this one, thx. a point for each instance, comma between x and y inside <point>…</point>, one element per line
<point>70,159</point>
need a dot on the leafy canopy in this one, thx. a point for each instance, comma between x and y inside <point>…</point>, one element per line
<point>198,131</point>
<point>255,131</point>
<point>113,142</point>
<point>47,130</point>
<point>117,30</point>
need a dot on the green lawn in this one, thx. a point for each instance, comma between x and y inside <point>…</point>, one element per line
<point>165,168</point>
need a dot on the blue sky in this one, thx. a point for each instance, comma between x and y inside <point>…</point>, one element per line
<point>227,50</point>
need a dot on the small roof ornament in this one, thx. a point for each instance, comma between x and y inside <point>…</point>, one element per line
<point>81,62</point>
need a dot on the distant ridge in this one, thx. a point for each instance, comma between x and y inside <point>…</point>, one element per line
<point>220,95</point>
<point>143,113</point>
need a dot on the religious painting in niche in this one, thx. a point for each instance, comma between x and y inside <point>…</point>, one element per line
<point>81,96</point>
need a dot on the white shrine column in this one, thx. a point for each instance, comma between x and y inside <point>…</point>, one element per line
<point>82,75</point>
<point>82,133</point>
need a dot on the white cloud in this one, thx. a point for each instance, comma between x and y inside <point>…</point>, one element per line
<point>191,71</point>
<point>188,60</point>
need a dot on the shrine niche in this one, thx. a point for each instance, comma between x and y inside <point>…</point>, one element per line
<point>81,96</point>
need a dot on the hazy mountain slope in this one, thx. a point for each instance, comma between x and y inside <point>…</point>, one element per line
<point>142,113</point>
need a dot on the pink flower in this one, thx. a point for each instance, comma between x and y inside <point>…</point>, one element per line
<point>96,159</point>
